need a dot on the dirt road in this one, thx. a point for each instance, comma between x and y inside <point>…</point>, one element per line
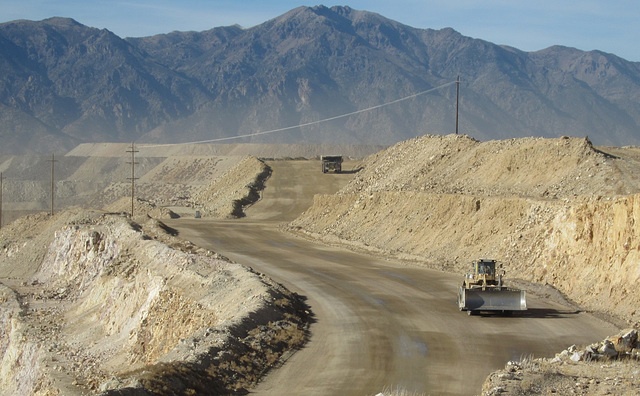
<point>291,188</point>
<point>377,323</point>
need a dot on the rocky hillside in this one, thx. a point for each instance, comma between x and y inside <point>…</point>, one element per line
<point>66,83</point>
<point>556,211</point>
<point>95,303</point>
<point>63,83</point>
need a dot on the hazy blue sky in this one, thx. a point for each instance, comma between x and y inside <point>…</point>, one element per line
<point>607,25</point>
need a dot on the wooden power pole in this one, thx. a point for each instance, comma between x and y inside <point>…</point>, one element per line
<point>457,101</point>
<point>53,160</point>
<point>0,199</point>
<point>133,174</point>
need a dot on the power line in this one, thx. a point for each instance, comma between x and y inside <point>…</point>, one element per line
<point>308,123</point>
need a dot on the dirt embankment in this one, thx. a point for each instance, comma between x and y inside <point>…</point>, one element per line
<point>96,303</point>
<point>216,186</point>
<point>168,186</point>
<point>555,211</point>
<point>240,186</point>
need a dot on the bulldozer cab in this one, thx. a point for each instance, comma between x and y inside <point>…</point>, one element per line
<point>485,267</point>
<point>483,274</point>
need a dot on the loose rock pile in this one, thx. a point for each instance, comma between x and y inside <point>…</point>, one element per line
<point>227,195</point>
<point>610,367</point>
<point>217,187</point>
<point>624,345</point>
<point>457,164</point>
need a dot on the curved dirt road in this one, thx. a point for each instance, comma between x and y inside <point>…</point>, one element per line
<point>378,323</point>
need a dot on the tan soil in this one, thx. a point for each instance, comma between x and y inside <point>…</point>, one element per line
<point>559,213</point>
<point>178,185</point>
<point>95,303</point>
<point>216,186</point>
<point>556,212</point>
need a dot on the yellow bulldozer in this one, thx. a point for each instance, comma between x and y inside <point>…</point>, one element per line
<point>482,290</point>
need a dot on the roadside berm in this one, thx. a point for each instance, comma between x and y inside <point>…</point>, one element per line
<point>99,303</point>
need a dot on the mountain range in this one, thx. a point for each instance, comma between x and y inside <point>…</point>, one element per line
<point>347,76</point>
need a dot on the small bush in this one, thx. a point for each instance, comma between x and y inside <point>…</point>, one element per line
<point>398,392</point>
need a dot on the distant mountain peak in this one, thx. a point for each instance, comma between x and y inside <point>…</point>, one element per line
<point>64,83</point>
<point>61,21</point>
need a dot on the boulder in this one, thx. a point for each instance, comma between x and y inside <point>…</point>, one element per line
<point>626,341</point>
<point>608,349</point>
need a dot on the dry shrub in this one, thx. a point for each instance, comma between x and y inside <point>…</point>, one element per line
<point>390,391</point>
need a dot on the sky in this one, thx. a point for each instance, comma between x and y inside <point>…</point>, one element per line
<point>607,25</point>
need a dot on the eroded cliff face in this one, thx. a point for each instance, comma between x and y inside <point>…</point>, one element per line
<point>17,352</point>
<point>554,211</point>
<point>114,304</point>
<point>589,249</point>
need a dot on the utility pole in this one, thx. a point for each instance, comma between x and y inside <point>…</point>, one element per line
<point>457,101</point>
<point>53,160</point>
<point>133,174</point>
<point>0,199</point>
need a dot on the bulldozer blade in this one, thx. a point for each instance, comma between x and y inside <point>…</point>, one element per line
<point>492,300</point>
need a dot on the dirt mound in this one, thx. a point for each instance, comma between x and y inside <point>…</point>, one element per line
<point>227,195</point>
<point>528,167</point>
<point>219,187</point>
<point>550,209</point>
<point>216,186</point>
<point>102,177</point>
<point>93,302</point>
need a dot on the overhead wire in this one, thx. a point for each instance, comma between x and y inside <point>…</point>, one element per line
<point>304,124</point>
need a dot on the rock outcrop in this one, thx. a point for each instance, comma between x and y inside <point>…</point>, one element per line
<point>114,305</point>
<point>611,366</point>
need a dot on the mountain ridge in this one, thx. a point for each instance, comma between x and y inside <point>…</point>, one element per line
<point>70,84</point>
